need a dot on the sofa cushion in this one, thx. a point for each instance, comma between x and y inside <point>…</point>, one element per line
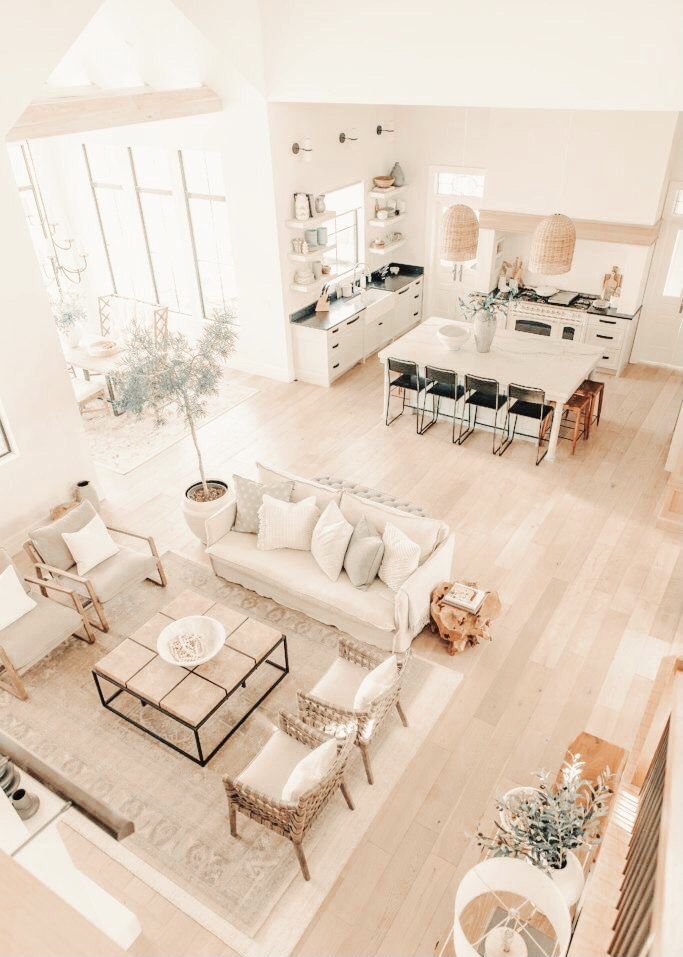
<point>287,524</point>
<point>297,572</point>
<point>426,532</point>
<point>330,540</point>
<point>15,602</point>
<point>270,769</point>
<point>303,488</point>
<point>31,637</point>
<point>249,499</point>
<point>113,575</point>
<point>401,557</point>
<point>364,554</point>
<point>48,539</point>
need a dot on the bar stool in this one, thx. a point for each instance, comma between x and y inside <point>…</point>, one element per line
<point>441,384</point>
<point>481,394</point>
<point>578,405</point>
<point>596,390</point>
<point>407,380</point>
<point>530,404</point>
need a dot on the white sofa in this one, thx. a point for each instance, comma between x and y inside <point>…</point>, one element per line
<point>377,615</point>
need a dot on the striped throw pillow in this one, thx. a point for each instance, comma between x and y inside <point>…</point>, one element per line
<point>401,557</point>
<point>286,524</point>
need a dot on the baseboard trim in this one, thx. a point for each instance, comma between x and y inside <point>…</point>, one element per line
<point>258,368</point>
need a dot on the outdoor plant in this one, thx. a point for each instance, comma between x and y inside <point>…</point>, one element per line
<point>67,311</point>
<point>171,376</point>
<point>544,824</point>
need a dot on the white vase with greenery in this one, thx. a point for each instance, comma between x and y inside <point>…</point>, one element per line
<point>483,311</point>
<point>68,313</point>
<point>171,376</point>
<point>544,825</point>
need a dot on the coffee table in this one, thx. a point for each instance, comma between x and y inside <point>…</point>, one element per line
<point>191,696</point>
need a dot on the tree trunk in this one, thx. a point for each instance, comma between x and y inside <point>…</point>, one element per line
<point>200,461</point>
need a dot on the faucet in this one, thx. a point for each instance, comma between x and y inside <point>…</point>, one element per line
<point>363,275</point>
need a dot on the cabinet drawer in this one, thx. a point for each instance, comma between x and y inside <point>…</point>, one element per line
<point>606,338</point>
<point>610,358</point>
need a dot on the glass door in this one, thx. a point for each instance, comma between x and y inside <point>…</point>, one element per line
<point>660,330</point>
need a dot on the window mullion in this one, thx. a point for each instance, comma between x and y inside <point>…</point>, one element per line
<point>150,263</point>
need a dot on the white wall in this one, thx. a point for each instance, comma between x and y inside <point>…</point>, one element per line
<point>34,391</point>
<point>614,54</point>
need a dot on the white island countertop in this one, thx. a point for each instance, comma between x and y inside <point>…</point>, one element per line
<point>558,366</point>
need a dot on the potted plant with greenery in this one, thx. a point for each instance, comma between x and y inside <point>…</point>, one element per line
<point>545,824</point>
<point>173,376</point>
<point>483,310</point>
<point>68,313</point>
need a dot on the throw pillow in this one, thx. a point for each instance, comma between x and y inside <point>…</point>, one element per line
<point>286,524</point>
<point>91,545</point>
<point>303,488</point>
<point>249,499</point>
<point>48,539</point>
<point>427,532</point>
<point>310,771</point>
<point>376,683</point>
<point>14,602</point>
<point>364,554</point>
<point>401,557</point>
<point>330,539</point>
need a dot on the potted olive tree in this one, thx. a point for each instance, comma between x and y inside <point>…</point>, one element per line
<point>172,376</point>
<point>545,824</point>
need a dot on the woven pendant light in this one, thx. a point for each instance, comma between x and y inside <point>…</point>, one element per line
<point>459,234</point>
<point>552,248</point>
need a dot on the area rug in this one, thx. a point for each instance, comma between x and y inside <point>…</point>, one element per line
<point>123,442</point>
<point>180,809</point>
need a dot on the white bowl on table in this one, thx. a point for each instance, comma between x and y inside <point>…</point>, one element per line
<point>208,630</point>
<point>452,337</point>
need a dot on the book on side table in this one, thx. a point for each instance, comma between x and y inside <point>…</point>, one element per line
<point>464,596</point>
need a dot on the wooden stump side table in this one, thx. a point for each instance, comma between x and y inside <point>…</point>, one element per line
<point>461,628</point>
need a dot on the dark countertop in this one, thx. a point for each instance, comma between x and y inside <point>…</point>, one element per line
<point>343,309</point>
<point>612,313</point>
<point>584,303</point>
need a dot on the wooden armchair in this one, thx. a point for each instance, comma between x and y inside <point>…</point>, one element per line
<point>330,703</point>
<point>53,562</point>
<point>257,791</point>
<point>35,634</point>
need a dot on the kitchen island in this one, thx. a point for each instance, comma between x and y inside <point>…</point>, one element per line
<point>557,366</point>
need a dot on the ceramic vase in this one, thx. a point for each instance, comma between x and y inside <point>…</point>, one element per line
<point>484,331</point>
<point>196,513</point>
<point>569,880</point>
<point>397,173</point>
<point>85,492</point>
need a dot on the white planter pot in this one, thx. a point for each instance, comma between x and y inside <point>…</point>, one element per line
<point>196,513</point>
<point>484,331</point>
<point>570,879</point>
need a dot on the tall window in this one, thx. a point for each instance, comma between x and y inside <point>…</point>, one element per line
<point>208,214</point>
<point>24,175</point>
<point>345,233</point>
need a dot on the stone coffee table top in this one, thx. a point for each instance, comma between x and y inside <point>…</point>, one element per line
<point>189,694</point>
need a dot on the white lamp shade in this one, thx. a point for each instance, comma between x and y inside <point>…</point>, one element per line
<point>552,248</point>
<point>509,875</point>
<point>459,234</point>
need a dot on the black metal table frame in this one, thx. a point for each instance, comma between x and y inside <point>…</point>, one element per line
<point>195,729</point>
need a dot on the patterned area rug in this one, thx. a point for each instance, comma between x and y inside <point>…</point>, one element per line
<point>180,809</point>
<point>123,442</point>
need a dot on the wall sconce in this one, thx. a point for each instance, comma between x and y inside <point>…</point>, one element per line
<point>350,137</point>
<point>304,149</point>
<point>389,128</point>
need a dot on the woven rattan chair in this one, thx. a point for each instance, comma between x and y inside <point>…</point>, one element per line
<point>329,705</point>
<point>271,768</point>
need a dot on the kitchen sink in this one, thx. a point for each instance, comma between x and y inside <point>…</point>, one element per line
<point>377,303</point>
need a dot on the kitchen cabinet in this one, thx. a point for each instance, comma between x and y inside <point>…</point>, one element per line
<point>408,308</point>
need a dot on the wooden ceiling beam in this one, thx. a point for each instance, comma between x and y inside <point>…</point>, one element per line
<point>633,234</point>
<point>59,115</point>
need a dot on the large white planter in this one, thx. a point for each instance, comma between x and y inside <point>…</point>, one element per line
<point>196,513</point>
<point>569,881</point>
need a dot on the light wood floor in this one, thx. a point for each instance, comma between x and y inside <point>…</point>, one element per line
<point>592,594</point>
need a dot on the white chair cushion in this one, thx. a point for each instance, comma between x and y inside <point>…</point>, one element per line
<point>287,524</point>
<point>91,545</point>
<point>30,638</point>
<point>303,488</point>
<point>401,557</point>
<point>297,572</point>
<point>426,532</point>
<point>115,574</point>
<point>15,602</point>
<point>330,540</point>
<point>340,683</point>
<point>269,771</point>
<point>48,540</point>
<point>376,683</point>
<point>310,771</point>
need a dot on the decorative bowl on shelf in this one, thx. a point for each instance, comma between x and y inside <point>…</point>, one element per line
<point>383,182</point>
<point>191,641</point>
<point>452,337</point>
